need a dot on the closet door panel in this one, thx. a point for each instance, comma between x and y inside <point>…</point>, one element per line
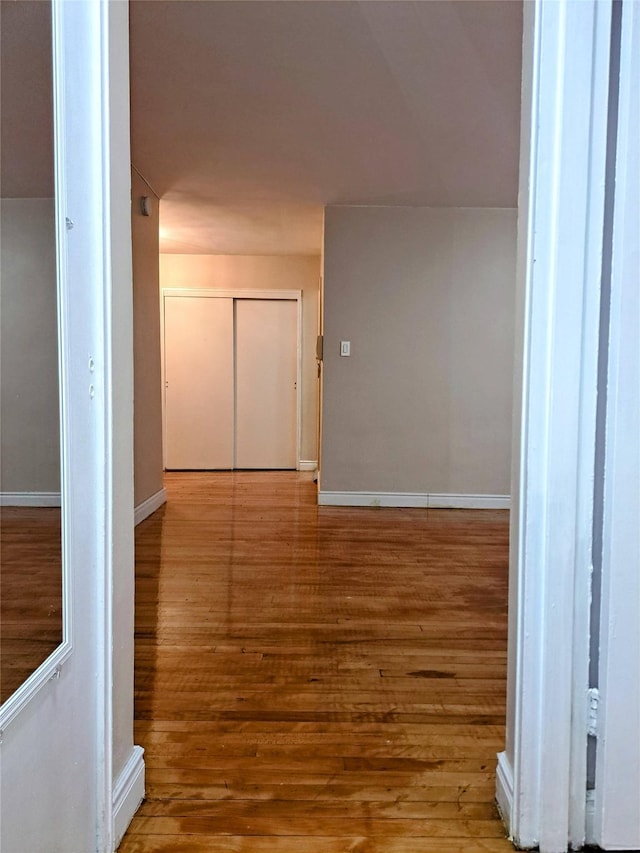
<point>198,382</point>
<point>266,373</point>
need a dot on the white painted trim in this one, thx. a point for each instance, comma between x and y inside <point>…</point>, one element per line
<point>49,670</point>
<point>561,215</point>
<point>504,788</point>
<point>617,784</point>
<point>36,499</point>
<point>413,499</point>
<point>241,293</point>
<point>214,293</point>
<point>150,505</point>
<point>307,465</point>
<point>453,501</point>
<point>128,794</point>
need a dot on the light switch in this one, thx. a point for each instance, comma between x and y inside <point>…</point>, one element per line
<point>345,347</point>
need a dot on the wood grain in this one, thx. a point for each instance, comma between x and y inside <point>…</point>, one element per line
<point>30,592</point>
<point>317,679</point>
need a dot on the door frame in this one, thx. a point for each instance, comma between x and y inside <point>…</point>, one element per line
<point>542,774</point>
<point>219,293</point>
<point>569,168</point>
<point>616,821</point>
<point>67,741</point>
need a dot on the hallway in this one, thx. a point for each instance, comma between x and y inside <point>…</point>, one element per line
<point>314,679</point>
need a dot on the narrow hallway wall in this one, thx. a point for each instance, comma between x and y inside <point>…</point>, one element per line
<point>146,345</point>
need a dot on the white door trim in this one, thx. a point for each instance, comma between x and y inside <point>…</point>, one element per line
<point>211,293</point>
<point>565,102</point>
<point>617,790</point>
<point>51,667</point>
<point>59,749</point>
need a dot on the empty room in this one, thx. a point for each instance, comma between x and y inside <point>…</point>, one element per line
<point>319,426</point>
<point>324,244</point>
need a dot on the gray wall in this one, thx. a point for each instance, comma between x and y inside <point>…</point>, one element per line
<point>426,297</point>
<point>263,272</point>
<point>30,431</point>
<point>147,393</point>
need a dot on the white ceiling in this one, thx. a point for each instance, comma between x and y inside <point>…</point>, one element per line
<point>249,115</point>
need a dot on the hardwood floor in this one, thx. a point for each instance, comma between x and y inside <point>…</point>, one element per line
<point>314,679</point>
<point>30,592</point>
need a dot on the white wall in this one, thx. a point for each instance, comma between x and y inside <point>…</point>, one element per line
<point>30,434</point>
<point>426,297</point>
<point>263,272</point>
<point>65,747</point>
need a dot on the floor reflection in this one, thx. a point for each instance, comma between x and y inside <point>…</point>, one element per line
<point>30,592</point>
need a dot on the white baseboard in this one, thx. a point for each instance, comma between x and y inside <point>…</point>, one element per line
<point>307,465</point>
<point>146,508</point>
<point>391,499</point>
<point>413,499</point>
<point>504,789</point>
<point>29,498</point>
<point>469,501</point>
<point>128,793</point>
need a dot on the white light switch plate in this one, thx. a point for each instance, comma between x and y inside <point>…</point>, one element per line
<point>345,347</point>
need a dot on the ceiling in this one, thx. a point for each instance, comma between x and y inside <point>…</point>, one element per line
<point>249,115</point>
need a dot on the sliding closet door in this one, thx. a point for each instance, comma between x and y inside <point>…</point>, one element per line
<point>198,349</point>
<point>266,372</point>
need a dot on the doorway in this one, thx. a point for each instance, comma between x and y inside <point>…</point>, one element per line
<point>231,379</point>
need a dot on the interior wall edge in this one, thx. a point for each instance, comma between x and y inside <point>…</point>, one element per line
<point>504,788</point>
<point>149,506</point>
<point>145,181</point>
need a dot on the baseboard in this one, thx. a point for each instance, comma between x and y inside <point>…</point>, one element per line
<point>469,501</point>
<point>413,499</point>
<point>128,793</point>
<point>504,789</point>
<point>29,498</point>
<point>387,499</point>
<point>307,465</point>
<point>146,508</point>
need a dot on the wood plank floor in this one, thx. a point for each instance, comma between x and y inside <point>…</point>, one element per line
<point>30,592</point>
<point>317,680</point>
